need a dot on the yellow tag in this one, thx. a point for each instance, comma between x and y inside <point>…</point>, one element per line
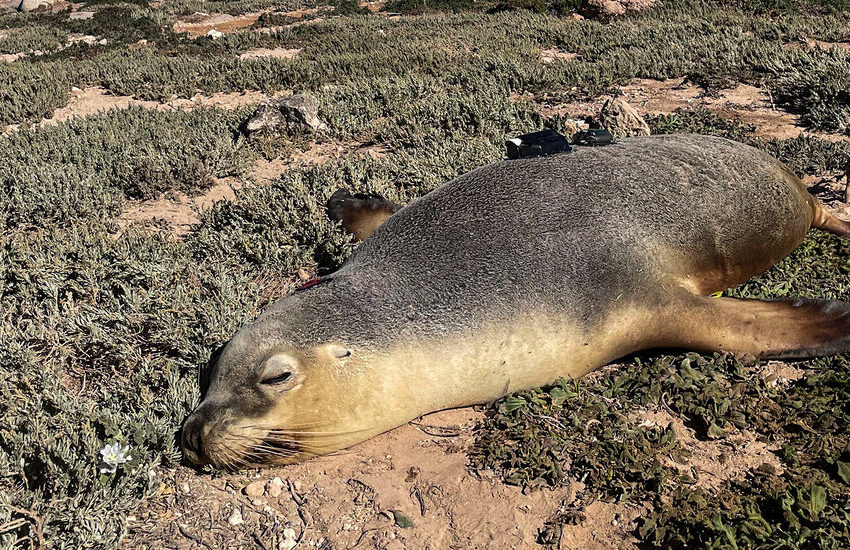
<point>716,294</point>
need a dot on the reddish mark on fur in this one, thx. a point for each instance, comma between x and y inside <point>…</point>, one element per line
<point>312,282</point>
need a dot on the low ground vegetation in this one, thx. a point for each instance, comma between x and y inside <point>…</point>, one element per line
<point>103,332</point>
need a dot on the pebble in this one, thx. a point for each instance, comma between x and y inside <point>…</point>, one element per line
<point>275,487</point>
<point>289,541</point>
<point>255,489</point>
<point>236,517</point>
<point>81,15</point>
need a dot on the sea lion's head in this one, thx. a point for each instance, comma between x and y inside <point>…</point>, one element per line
<point>275,399</point>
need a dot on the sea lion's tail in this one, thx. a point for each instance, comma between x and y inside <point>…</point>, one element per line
<point>360,214</point>
<point>824,219</point>
<point>780,329</point>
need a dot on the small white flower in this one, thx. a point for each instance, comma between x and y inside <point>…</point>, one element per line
<point>113,456</point>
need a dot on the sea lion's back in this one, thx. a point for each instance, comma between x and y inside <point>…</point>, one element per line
<point>613,217</point>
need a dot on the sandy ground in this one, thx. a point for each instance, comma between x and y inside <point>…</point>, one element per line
<point>748,104</point>
<point>200,24</point>
<point>354,499</point>
<point>177,212</point>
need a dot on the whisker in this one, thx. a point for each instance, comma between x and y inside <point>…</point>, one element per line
<point>231,458</point>
<point>305,425</point>
<point>328,433</point>
<point>299,444</point>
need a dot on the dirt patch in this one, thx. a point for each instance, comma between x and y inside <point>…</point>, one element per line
<point>554,54</point>
<point>295,15</point>
<point>360,498</point>
<point>200,24</point>
<point>714,462</point>
<point>298,14</point>
<point>608,526</point>
<point>812,43</point>
<point>11,57</point>
<point>94,100</point>
<point>77,38</point>
<point>177,213</point>
<point>745,103</point>
<point>90,101</point>
<point>374,7</point>
<point>278,53</point>
<point>780,374</point>
<point>408,488</point>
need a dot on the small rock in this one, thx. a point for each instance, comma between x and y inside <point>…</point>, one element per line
<point>258,502</point>
<point>289,541</point>
<point>274,487</point>
<point>84,38</point>
<point>611,8</point>
<point>293,115</point>
<point>571,126</point>
<point>621,119</point>
<point>214,34</point>
<point>185,488</point>
<point>81,15</point>
<point>103,42</point>
<point>236,517</point>
<point>255,489</point>
<point>304,276</point>
<point>29,5</point>
<point>401,519</point>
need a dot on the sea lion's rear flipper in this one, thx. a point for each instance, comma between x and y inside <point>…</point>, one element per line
<point>782,329</point>
<point>823,219</point>
<point>360,214</point>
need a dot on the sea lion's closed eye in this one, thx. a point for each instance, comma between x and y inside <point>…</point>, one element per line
<point>277,379</point>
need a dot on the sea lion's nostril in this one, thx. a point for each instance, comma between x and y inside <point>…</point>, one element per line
<point>193,437</point>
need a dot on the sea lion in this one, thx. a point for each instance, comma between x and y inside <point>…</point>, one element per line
<point>515,274</point>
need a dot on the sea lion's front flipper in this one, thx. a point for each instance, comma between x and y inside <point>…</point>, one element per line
<point>782,329</point>
<point>360,214</point>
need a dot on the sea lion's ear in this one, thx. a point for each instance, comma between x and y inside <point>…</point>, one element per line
<point>360,214</point>
<point>335,351</point>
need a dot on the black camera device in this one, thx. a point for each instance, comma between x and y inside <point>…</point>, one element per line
<point>537,144</point>
<point>550,142</point>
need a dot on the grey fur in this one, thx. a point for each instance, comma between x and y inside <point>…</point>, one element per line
<point>575,233</point>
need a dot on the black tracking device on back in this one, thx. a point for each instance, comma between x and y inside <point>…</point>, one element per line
<point>537,144</point>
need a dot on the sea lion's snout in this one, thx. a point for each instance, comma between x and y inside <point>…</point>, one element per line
<point>192,440</point>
